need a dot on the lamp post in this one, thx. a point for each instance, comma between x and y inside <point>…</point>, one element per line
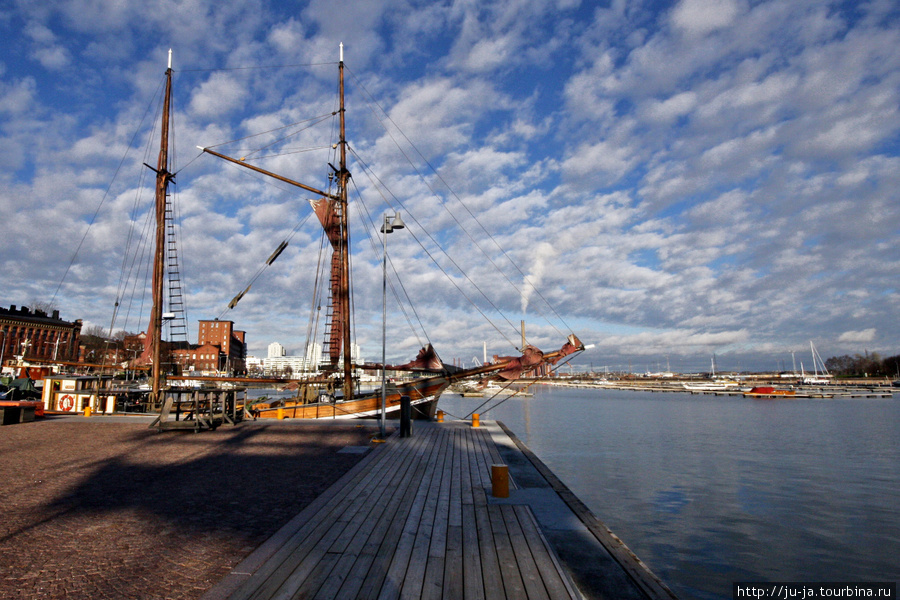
<point>388,226</point>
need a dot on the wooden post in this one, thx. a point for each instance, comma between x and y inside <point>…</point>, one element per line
<point>499,481</point>
<point>476,420</point>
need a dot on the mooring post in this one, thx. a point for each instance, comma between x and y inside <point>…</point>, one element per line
<point>500,481</point>
<point>405,417</point>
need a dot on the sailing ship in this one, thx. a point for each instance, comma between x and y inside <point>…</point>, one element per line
<point>335,392</point>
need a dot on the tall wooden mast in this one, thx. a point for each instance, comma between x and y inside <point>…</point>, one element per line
<point>154,333</point>
<point>332,213</point>
<point>344,298</point>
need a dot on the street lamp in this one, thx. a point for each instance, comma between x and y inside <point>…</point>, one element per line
<point>388,226</point>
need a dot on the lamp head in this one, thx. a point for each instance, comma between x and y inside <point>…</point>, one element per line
<point>390,226</point>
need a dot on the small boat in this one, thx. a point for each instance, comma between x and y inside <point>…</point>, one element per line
<point>494,388</point>
<point>711,386</point>
<point>769,392</point>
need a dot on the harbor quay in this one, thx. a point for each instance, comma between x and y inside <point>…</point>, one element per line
<point>102,507</point>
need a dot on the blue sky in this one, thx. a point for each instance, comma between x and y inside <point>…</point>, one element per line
<point>676,179</point>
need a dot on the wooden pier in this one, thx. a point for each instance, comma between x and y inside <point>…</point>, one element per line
<point>416,519</point>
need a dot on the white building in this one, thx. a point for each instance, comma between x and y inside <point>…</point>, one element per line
<point>287,365</point>
<point>280,364</point>
<point>276,350</point>
<point>314,354</point>
<point>254,364</point>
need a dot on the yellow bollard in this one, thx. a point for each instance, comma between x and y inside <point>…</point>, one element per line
<point>440,416</point>
<point>281,413</point>
<point>499,481</point>
<point>476,420</point>
<point>87,411</point>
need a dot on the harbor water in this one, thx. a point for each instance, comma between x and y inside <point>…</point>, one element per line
<point>709,490</point>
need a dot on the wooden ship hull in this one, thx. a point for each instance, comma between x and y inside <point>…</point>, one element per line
<point>423,395</point>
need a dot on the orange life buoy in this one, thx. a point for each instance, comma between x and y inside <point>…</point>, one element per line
<point>67,402</point>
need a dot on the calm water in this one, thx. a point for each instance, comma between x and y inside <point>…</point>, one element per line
<point>708,490</point>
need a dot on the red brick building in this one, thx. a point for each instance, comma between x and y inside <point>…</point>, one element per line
<point>37,335</point>
<point>220,347</point>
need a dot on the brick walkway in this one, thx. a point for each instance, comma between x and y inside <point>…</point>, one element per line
<point>94,509</point>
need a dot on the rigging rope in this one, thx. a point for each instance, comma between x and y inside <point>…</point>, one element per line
<point>265,266</point>
<point>459,200</point>
<point>553,370</point>
<point>372,229</point>
<point>257,67</point>
<point>375,179</point>
<point>105,195</point>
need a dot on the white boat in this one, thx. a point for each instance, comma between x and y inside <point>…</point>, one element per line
<point>711,386</point>
<point>493,388</point>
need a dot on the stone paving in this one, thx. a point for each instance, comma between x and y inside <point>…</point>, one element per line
<point>98,509</point>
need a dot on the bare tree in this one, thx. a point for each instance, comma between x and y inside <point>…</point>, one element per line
<point>45,306</point>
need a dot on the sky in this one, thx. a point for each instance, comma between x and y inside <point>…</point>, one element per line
<point>670,181</point>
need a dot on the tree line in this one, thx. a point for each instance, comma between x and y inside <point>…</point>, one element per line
<point>868,365</point>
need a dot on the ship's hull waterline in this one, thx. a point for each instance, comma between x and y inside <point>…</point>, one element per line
<point>423,394</point>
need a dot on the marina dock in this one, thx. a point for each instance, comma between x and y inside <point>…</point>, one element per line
<point>416,519</point>
<point>801,391</point>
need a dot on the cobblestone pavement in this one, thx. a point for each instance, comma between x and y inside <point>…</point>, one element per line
<point>94,509</point>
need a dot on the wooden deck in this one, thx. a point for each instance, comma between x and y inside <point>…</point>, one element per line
<point>413,519</point>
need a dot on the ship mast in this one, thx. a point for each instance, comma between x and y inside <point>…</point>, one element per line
<point>333,216</point>
<point>154,333</point>
<point>343,299</point>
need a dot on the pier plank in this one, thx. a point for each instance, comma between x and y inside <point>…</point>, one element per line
<point>473,581</point>
<point>509,568</point>
<point>364,540</point>
<point>418,517</point>
<point>531,577</point>
<point>418,559</point>
<point>370,568</point>
<point>304,554</point>
<point>413,521</point>
<point>490,563</point>
<point>545,562</point>
<point>274,573</point>
<point>473,578</point>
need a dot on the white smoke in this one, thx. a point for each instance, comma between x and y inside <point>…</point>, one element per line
<point>543,253</point>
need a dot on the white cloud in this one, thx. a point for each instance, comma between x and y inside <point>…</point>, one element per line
<point>672,108</point>
<point>17,97</point>
<point>699,17</point>
<point>218,96</point>
<point>858,337</point>
<point>602,163</point>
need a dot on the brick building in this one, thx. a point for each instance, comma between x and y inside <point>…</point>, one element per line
<point>220,347</point>
<point>37,335</point>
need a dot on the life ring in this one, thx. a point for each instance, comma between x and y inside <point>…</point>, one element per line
<point>67,402</point>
